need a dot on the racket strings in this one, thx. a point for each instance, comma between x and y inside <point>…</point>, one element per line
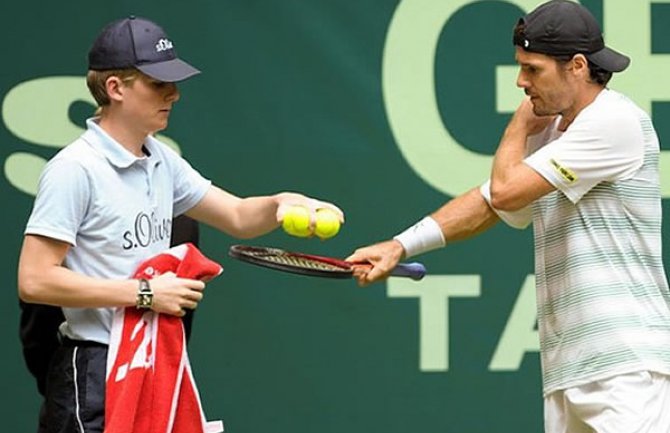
<point>300,262</point>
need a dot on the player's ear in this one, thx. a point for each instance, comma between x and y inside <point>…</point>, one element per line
<point>114,86</point>
<point>580,64</point>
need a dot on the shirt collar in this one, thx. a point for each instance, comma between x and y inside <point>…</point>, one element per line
<point>112,150</point>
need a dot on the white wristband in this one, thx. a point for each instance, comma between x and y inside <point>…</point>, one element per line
<point>424,236</point>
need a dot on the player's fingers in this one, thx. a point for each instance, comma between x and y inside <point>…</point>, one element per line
<point>358,256</point>
<point>361,278</point>
<point>352,258</point>
<point>360,271</point>
<point>376,273</point>
<point>362,281</point>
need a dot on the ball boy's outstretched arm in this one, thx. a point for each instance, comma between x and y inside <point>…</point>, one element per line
<point>249,217</point>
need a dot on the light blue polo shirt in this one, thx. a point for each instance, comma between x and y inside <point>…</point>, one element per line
<point>114,208</point>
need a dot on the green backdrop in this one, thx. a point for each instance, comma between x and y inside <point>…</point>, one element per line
<point>388,108</point>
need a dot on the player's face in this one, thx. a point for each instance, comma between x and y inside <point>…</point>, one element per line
<point>546,81</point>
<point>149,102</point>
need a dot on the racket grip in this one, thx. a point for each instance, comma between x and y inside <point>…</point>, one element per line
<point>413,270</point>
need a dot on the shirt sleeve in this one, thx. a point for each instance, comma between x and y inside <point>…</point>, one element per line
<point>519,219</point>
<point>189,185</point>
<point>61,202</point>
<point>597,147</point>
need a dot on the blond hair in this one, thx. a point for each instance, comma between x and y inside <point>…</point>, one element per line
<point>97,83</point>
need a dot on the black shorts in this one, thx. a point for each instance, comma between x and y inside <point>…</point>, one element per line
<point>75,389</point>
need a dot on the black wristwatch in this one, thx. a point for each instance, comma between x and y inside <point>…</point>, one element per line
<point>145,296</point>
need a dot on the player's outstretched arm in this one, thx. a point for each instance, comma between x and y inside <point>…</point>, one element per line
<point>384,256</point>
<point>461,218</point>
<point>465,216</point>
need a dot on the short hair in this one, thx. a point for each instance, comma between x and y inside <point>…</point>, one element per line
<point>597,74</point>
<point>96,82</point>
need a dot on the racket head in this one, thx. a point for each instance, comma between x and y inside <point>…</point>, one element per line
<point>295,263</point>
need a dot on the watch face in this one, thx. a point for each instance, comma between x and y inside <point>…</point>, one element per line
<point>144,300</point>
<point>145,296</point>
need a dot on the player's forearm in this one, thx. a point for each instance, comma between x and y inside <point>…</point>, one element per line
<point>513,184</point>
<point>465,216</point>
<point>461,218</point>
<point>509,156</point>
<point>509,182</point>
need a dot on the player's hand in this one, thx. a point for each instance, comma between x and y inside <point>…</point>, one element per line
<point>526,118</point>
<point>173,295</point>
<point>383,257</point>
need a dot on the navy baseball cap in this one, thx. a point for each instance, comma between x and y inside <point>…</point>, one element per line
<point>564,27</point>
<point>136,42</point>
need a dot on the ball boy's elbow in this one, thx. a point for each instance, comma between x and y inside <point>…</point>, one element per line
<point>27,292</point>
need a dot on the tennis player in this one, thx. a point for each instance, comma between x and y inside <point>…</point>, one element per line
<point>106,202</point>
<point>579,161</point>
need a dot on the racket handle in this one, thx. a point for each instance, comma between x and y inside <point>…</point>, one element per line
<point>413,270</point>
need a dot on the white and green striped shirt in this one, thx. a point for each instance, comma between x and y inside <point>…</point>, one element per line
<point>602,294</point>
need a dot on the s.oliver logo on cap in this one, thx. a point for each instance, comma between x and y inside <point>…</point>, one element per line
<point>163,45</point>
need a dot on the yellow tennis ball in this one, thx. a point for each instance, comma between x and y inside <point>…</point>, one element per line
<point>327,223</point>
<point>296,221</point>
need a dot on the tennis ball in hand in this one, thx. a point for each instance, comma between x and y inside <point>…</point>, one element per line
<point>296,222</point>
<point>327,223</point>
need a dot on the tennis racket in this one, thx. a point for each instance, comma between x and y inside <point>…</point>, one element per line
<point>308,264</point>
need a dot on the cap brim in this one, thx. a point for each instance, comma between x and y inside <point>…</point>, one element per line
<point>169,71</point>
<point>610,60</point>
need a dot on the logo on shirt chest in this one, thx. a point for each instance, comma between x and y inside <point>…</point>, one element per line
<point>148,229</point>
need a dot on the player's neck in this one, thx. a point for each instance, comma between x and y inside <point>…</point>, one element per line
<point>584,99</point>
<point>127,135</point>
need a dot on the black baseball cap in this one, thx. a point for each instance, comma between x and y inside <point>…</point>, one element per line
<point>563,27</point>
<point>136,42</point>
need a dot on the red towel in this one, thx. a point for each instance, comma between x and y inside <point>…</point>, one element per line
<point>150,386</point>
